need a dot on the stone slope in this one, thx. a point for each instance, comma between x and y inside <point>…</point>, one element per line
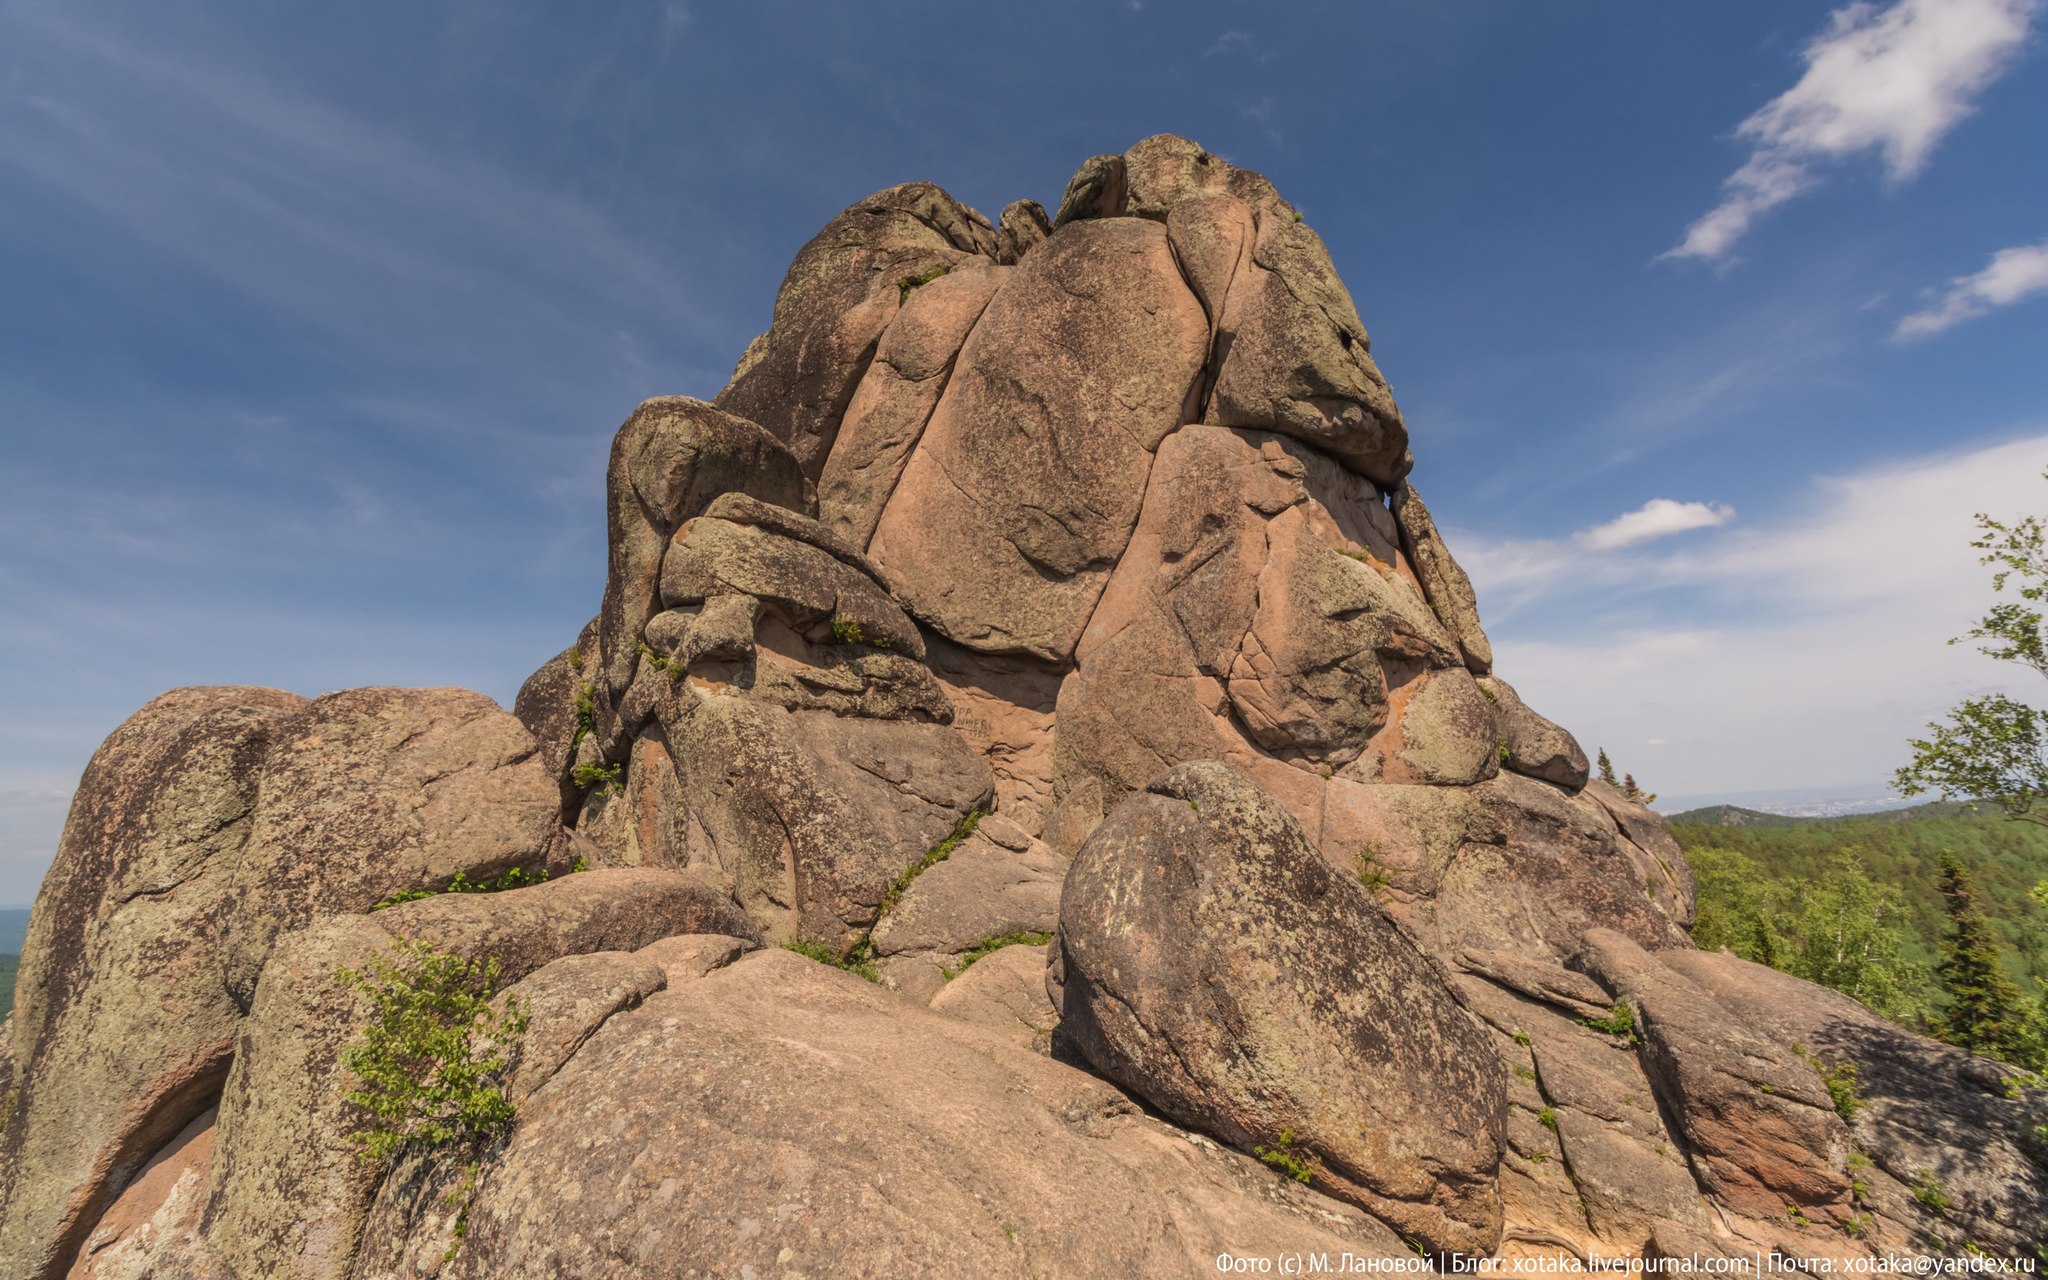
<point>1044,620</point>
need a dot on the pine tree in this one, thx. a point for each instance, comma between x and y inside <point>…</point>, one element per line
<point>1985,1012</point>
<point>1607,769</point>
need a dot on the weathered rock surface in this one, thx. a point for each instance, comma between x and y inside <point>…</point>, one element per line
<point>841,292</point>
<point>670,459</point>
<point>288,1192</point>
<point>1534,746</point>
<point>1761,1127</point>
<point>1004,991</point>
<point>1214,964</point>
<point>820,1088</point>
<point>211,823</point>
<point>1096,531</point>
<point>1038,451</point>
<point>1930,1113</point>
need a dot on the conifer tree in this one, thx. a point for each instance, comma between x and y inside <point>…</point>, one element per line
<point>1985,1011</point>
<point>1607,769</point>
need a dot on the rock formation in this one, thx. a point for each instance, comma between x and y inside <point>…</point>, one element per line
<point>1044,624</point>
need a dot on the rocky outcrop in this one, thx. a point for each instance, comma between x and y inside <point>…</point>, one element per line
<point>1078,367</point>
<point>289,1192</point>
<point>803,1120</point>
<point>1044,574</point>
<point>212,823</point>
<point>1212,963</point>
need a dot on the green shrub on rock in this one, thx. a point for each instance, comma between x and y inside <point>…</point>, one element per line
<point>432,1061</point>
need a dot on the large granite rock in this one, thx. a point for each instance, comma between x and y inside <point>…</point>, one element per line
<point>842,291</point>
<point>1096,531</point>
<point>288,1191</point>
<point>1026,483</point>
<point>793,1114</point>
<point>1212,963</point>
<point>212,823</point>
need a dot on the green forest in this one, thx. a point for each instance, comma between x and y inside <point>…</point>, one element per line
<point>1924,914</point>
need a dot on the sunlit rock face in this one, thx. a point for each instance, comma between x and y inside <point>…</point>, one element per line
<point>1045,624</point>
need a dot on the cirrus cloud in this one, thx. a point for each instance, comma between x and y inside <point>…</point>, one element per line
<point>1893,81</point>
<point>2011,276</point>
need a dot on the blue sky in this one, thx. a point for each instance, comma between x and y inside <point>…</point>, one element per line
<point>1713,323</point>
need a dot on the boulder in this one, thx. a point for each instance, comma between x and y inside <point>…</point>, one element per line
<point>809,817</point>
<point>1916,1099</point>
<point>1293,354</point>
<point>556,706</point>
<point>1214,964</point>
<point>1095,191</point>
<point>668,461</point>
<point>371,792</point>
<point>1760,1126</point>
<point>288,1191</point>
<point>122,1027</point>
<point>819,1089</point>
<point>1534,746</point>
<point>1026,483</point>
<point>1264,615</point>
<point>913,365</point>
<point>1444,583</point>
<point>212,823</point>
<point>844,288</point>
<point>998,881</point>
<point>1022,226</point>
<point>806,586</point>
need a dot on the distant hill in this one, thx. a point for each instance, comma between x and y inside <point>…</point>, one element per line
<point>1728,815</point>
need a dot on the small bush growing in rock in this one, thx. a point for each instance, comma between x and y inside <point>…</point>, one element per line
<point>847,631</point>
<point>991,945</point>
<point>603,777</point>
<point>1620,1021</point>
<point>513,878</point>
<point>907,283</point>
<point>1286,1159</point>
<point>432,1061</point>
<point>855,963</point>
<point>1839,1080</point>
<point>1933,1197</point>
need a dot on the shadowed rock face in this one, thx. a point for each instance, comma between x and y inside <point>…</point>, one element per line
<point>1045,573</point>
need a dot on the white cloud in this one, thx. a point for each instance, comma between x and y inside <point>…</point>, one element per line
<point>1228,42</point>
<point>2012,275</point>
<point>1657,518</point>
<point>1519,570</point>
<point>1801,650</point>
<point>1892,80</point>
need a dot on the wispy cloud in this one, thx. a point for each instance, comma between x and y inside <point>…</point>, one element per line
<point>316,214</point>
<point>1888,80</point>
<point>1228,42</point>
<point>2012,275</point>
<point>1517,570</point>
<point>1657,518</point>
